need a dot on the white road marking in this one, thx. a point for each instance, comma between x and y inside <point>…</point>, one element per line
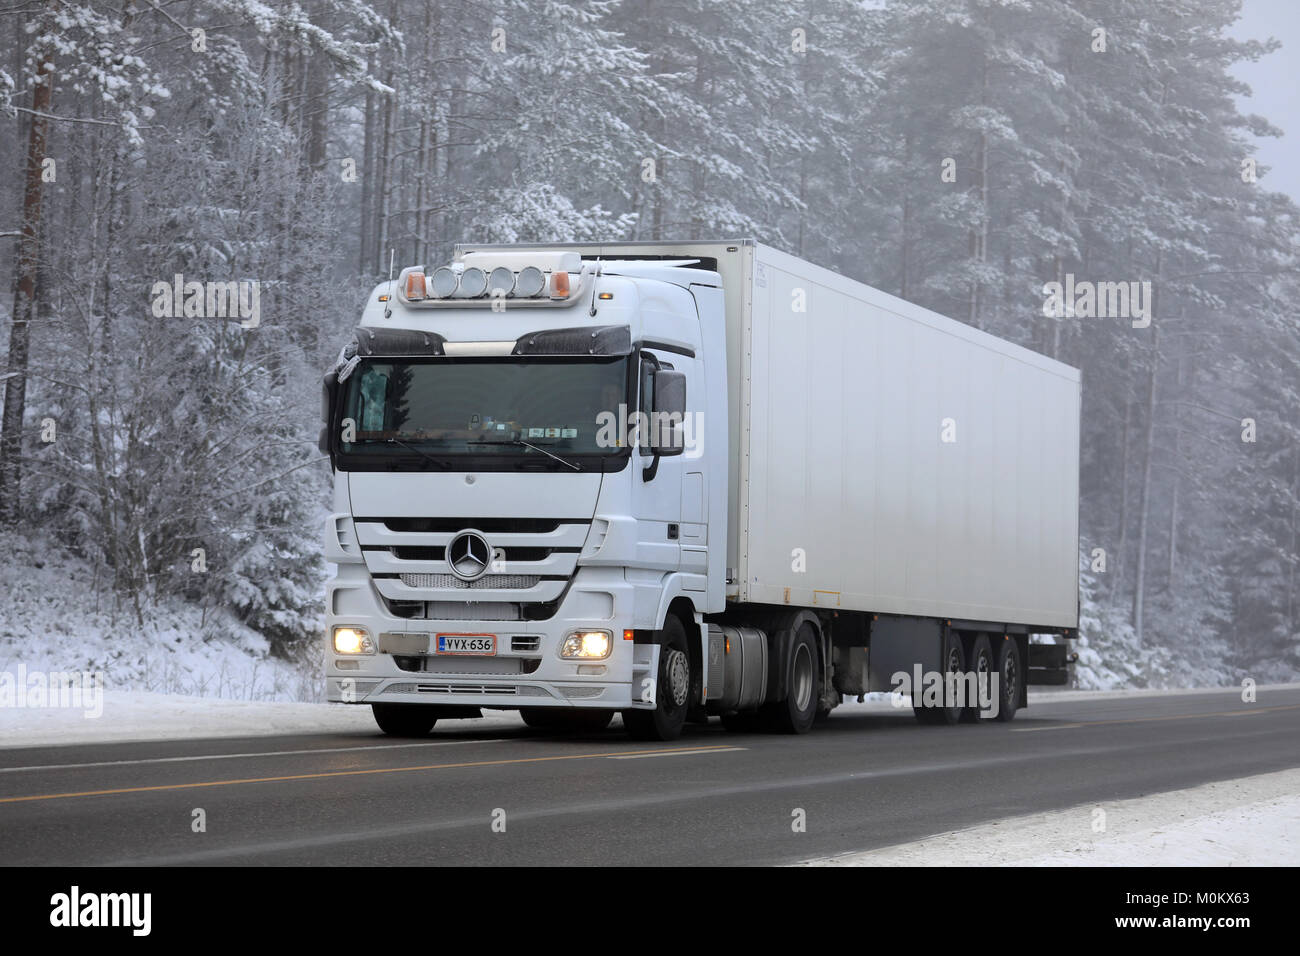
<point>680,753</point>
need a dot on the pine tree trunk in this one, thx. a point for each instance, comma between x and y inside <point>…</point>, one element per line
<point>1144,499</point>
<point>25,299</point>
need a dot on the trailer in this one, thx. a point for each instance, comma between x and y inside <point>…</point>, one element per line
<point>679,480</point>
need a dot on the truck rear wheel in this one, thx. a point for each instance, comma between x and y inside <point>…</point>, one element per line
<point>982,666</point>
<point>404,720</point>
<point>795,714</point>
<point>672,689</point>
<point>1010,674</point>
<point>555,718</point>
<point>954,664</point>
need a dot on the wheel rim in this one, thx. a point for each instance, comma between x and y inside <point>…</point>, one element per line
<point>1010,678</point>
<point>954,669</point>
<point>983,668</point>
<point>677,672</point>
<point>802,678</point>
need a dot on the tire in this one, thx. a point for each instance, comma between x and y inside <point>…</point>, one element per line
<point>405,720</point>
<point>954,659</point>
<point>672,689</point>
<point>979,662</point>
<point>573,721</point>
<point>1011,672</point>
<point>795,714</point>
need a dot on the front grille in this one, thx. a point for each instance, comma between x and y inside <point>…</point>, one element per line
<point>486,525</point>
<point>466,689</point>
<point>583,691</point>
<point>487,582</point>
<point>439,553</point>
<point>414,687</point>
<point>476,666</point>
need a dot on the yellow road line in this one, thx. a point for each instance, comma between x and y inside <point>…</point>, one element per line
<point>352,773</point>
<point>1143,720</point>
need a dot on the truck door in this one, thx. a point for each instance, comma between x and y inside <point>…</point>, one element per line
<point>674,496</point>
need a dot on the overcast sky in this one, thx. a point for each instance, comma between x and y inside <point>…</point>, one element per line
<point>1276,92</point>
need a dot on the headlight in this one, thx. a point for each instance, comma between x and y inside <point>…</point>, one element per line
<point>586,645</point>
<point>352,640</point>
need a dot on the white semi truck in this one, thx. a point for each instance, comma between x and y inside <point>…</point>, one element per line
<point>677,480</point>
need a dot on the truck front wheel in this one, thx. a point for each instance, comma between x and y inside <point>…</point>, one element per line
<point>404,720</point>
<point>672,689</point>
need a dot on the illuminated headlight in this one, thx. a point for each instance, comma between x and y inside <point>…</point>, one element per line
<point>501,281</point>
<point>352,640</point>
<point>586,645</point>
<point>443,282</point>
<point>530,281</point>
<point>473,282</point>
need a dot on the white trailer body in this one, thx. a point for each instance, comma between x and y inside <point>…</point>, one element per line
<point>919,466</point>
<point>872,487</point>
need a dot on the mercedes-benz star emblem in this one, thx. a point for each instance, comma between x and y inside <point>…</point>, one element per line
<point>469,555</point>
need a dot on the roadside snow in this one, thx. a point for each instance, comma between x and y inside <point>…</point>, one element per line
<point>1252,821</point>
<point>57,617</point>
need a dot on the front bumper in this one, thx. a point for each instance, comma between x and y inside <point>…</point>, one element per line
<point>516,676</point>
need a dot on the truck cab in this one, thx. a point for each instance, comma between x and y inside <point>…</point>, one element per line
<point>523,445</point>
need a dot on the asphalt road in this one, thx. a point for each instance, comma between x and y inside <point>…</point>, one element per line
<point>863,781</point>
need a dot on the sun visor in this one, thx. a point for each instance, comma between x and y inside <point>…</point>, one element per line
<point>583,340</point>
<point>398,342</point>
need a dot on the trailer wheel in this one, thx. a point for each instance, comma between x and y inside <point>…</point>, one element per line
<point>795,714</point>
<point>949,712</point>
<point>1010,673</point>
<point>405,720</point>
<point>982,666</point>
<point>672,689</point>
<point>576,720</point>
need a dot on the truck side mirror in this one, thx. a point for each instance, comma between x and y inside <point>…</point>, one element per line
<point>328,394</point>
<point>666,426</point>
<point>329,389</point>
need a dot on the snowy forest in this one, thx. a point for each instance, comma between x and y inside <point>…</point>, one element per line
<point>159,475</point>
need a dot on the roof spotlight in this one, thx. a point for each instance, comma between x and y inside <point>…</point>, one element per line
<point>443,282</point>
<point>501,281</point>
<point>530,282</point>
<point>473,282</point>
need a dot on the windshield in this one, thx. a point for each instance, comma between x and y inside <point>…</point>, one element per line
<point>440,408</point>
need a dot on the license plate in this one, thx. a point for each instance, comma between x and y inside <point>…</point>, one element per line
<point>483,645</point>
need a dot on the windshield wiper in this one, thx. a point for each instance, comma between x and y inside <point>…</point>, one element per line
<point>428,458</point>
<point>520,441</point>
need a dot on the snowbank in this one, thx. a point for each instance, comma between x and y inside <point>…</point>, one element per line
<point>1252,821</point>
<point>55,617</point>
